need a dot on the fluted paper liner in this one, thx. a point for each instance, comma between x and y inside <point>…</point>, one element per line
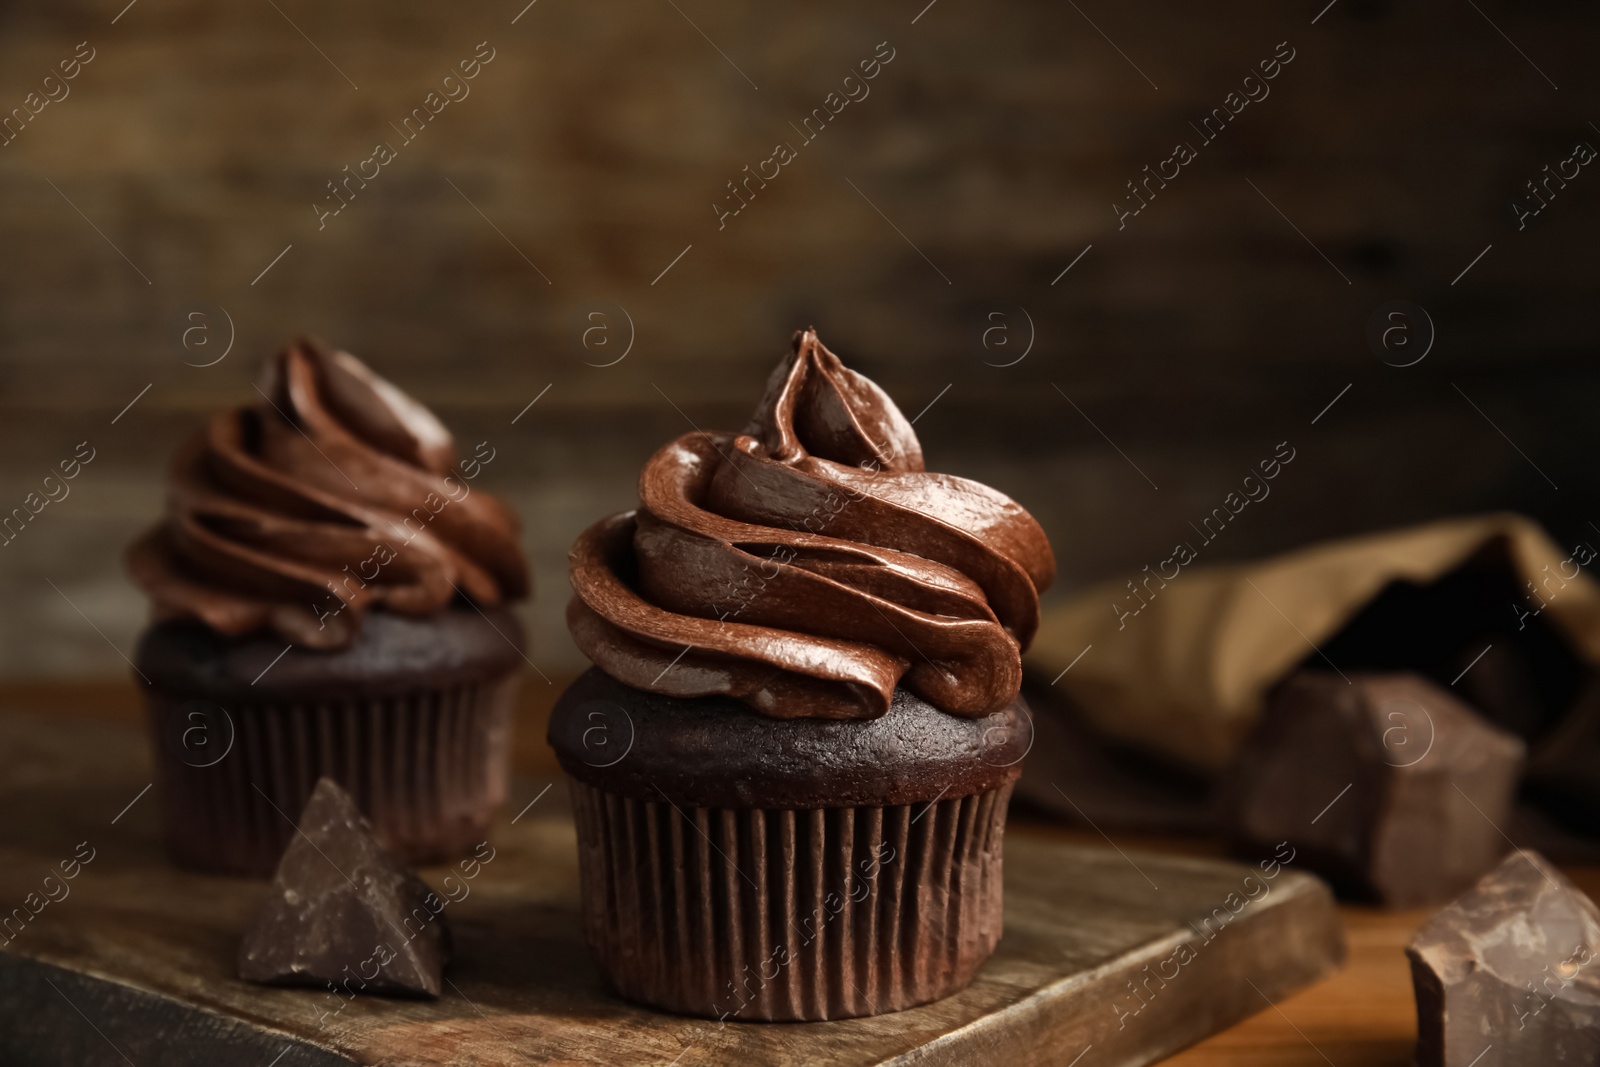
<point>785,915</point>
<point>428,767</point>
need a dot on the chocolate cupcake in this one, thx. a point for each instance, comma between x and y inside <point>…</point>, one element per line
<point>791,763</point>
<point>329,598</point>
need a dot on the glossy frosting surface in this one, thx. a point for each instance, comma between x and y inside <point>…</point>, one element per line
<point>335,493</point>
<point>809,564</point>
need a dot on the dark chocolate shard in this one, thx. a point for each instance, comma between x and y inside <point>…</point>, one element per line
<point>1388,786</point>
<point>1510,965</point>
<point>345,913</point>
<point>1564,767</point>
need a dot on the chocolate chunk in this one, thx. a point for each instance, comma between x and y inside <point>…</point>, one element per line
<point>345,913</point>
<point>1510,965</point>
<point>1387,785</point>
<point>1564,768</point>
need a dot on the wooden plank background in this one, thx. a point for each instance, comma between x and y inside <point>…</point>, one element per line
<point>190,149</point>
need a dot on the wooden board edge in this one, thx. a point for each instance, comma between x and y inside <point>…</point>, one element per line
<point>1245,968</point>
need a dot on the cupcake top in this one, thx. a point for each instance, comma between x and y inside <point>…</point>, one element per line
<point>810,564</point>
<point>336,493</point>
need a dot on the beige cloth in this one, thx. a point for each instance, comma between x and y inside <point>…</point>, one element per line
<point>1186,676</point>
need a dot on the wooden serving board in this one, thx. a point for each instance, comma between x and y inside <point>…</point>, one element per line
<point>133,964</point>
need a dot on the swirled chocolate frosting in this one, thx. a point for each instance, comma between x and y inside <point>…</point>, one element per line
<point>810,564</point>
<point>334,495</point>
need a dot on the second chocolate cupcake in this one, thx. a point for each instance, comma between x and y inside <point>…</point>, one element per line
<point>329,592</point>
<point>791,765</point>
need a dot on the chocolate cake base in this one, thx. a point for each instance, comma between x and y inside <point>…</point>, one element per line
<point>413,721</point>
<point>716,752</point>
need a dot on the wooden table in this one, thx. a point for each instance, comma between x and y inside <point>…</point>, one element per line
<point>1363,1015</point>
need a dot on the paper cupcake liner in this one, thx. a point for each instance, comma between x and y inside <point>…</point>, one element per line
<point>428,767</point>
<point>782,915</point>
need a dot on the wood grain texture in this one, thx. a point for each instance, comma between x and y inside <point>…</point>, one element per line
<point>145,953</point>
<point>996,142</point>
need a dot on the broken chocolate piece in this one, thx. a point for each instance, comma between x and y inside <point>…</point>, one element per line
<point>1388,786</point>
<point>1564,768</point>
<point>1510,965</point>
<point>345,913</point>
